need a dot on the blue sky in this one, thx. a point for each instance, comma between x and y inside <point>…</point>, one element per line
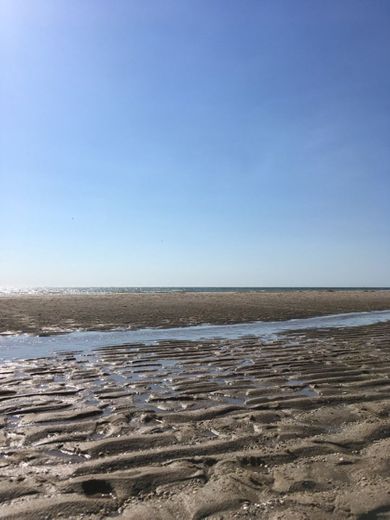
<point>195,142</point>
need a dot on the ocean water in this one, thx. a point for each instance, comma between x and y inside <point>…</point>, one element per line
<point>25,346</point>
<point>8,291</point>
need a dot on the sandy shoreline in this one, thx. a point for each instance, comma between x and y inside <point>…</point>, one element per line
<point>296,428</point>
<point>40,314</point>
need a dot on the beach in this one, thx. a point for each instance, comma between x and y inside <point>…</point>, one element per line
<point>296,427</point>
<point>39,314</point>
<point>195,260</point>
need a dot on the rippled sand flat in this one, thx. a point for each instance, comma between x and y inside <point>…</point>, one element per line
<point>297,428</point>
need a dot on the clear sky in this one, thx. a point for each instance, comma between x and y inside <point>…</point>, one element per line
<point>195,142</point>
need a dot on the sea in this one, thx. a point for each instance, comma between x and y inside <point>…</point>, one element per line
<point>8,291</point>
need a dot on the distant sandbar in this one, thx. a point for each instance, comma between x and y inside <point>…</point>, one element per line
<point>48,313</point>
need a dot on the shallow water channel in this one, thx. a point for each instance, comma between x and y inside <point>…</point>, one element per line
<point>25,346</point>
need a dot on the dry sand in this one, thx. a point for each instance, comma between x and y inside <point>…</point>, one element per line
<point>39,314</point>
<point>293,429</point>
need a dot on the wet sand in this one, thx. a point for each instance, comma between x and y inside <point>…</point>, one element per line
<point>49,313</point>
<point>296,428</point>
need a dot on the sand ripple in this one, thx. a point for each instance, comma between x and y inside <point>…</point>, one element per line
<point>296,428</point>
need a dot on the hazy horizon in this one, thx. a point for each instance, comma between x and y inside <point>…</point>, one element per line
<point>194,143</point>
<point>179,288</point>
